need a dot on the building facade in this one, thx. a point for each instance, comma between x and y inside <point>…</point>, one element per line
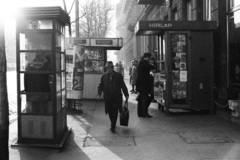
<point>226,38</point>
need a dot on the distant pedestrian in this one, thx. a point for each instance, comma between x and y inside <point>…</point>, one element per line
<point>112,85</point>
<point>134,76</point>
<point>121,69</point>
<point>116,68</point>
<point>144,85</point>
<point>130,72</point>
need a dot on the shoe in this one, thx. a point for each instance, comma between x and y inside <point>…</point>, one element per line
<point>113,130</point>
<point>147,116</point>
<point>139,115</point>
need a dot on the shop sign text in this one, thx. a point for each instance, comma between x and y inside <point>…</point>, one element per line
<point>160,25</point>
<point>104,42</point>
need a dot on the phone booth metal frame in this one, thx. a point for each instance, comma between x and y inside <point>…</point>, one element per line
<point>41,81</point>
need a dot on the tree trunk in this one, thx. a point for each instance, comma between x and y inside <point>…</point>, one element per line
<point>4,111</point>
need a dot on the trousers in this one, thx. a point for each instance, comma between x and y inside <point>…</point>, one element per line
<point>143,104</point>
<point>113,112</point>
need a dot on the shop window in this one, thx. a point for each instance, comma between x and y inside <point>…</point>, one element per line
<point>207,10</point>
<point>211,10</point>
<point>234,49</point>
<point>234,3</point>
<point>174,14</point>
<point>189,11</point>
<point>166,18</point>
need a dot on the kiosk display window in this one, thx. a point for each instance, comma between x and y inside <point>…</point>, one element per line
<point>94,60</point>
<point>179,68</point>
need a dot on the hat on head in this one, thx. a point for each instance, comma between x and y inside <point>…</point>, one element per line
<point>109,64</point>
<point>146,55</point>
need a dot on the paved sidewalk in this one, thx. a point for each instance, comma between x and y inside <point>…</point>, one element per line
<point>178,136</point>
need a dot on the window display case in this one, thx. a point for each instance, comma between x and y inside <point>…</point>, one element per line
<point>94,60</point>
<point>41,76</point>
<point>179,68</point>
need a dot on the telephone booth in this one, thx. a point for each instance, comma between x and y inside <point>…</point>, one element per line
<point>185,56</point>
<point>41,91</point>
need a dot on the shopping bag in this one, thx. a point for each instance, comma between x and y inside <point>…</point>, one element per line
<point>124,116</point>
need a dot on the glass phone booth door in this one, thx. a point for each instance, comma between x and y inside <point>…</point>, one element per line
<point>177,53</point>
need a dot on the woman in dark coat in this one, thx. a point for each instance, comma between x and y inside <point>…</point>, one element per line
<point>112,85</point>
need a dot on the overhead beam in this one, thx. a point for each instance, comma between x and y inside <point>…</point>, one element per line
<point>157,2</point>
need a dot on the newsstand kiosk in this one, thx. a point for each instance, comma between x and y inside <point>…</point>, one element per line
<point>89,56</point>
<point>41,91</point>
<point>185,56</point>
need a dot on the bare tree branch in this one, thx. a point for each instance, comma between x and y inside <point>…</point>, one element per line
<point>97,19</point>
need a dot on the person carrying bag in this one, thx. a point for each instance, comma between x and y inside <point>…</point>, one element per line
<point>124,116</point>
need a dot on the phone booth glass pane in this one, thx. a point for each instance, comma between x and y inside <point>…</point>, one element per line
<point>63,98</point>
<point>58,82</point>
<point>35,61</point>
<point>59,100</point>
<point>63,80</point>
<point>38,104</point>
<point>63,67</point>
<point>35,41</point>
<point>58,62</point>
<point>179,68</point>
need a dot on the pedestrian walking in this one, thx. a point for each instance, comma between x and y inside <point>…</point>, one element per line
<point>116,68</point>
<point>144,85</point>
<point>130,73</point>
<point>112,86</point>
<point>121,69</point>
<point>134,76</point>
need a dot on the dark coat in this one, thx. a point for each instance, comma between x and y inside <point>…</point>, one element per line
<point>144,80</point>
<point>119,86</point>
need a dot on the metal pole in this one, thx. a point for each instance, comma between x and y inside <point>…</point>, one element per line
<point>227,10</point>
<point>76,17</point>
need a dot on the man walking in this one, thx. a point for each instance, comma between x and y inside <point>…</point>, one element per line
<point>112,85</point>
<point>144,85</point>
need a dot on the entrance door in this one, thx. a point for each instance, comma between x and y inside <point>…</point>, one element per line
<point>177,70</point>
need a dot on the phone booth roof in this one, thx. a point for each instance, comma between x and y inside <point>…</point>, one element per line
<point>157,27</point>
<point>45,13</point>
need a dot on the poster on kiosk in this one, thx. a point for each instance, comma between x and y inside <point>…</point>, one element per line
<point>75,69</point>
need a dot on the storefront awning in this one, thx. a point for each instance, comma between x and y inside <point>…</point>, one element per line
<point>156,27</point>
